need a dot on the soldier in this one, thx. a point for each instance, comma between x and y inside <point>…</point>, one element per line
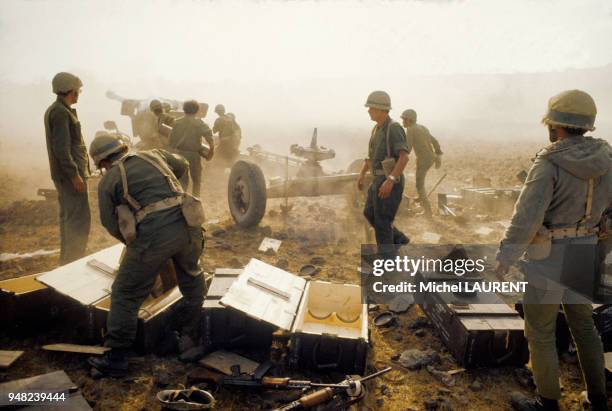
<point>387,156</point>
<point>567,189</point>
<point>69,166</point>
<point>428,153</point>
<point>229,136</point>
<point>162,117</point>
<point>161,234</point>
<point>186,139</point>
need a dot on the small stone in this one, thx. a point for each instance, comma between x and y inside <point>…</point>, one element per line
<point>444,391</point>
<point>420,322</point>
<point>317,260</point>
<point>416,359</point>
<point>384,389</point>
<point>219,232</point>
<point>476,386</point>
<point>420,333</point>
<point>282,263</point>
<point>395,357</point>
<point>525,378</point>
<point>431,405</point>
<point>266,231</point>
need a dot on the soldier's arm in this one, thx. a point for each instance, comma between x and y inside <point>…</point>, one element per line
<point>107,203</point>
<point>177,163</point>
<point>399,149</point>
<point>529,211</point>
<point>434,142</point>
<point>60,131</point>
<point>207,134</point>
<point>216,125</point>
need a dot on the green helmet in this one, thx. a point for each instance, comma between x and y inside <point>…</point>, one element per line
<point>409,114</point>
<point>155,105</point>
<point>571,108</point>
<point>220,109</point>
<point>104,145</point>
<point>65,82</point>
<point>379,99</point>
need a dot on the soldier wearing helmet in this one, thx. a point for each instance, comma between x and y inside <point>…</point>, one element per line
<point>229,133</point>
<point>427,151</point>
<point>387,157</point>
<point>553,236</point>
<point>186,139</point>
<point>154,199</point>
<point>69,166</point>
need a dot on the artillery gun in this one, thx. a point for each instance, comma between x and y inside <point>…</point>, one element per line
<point>248,193</point>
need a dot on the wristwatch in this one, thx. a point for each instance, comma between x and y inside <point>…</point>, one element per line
<point>390,177</point>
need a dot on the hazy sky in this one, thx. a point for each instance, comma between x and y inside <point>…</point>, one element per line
<point>268,41</point>
<point>285,67</point>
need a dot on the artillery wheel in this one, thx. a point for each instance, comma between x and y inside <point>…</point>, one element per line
<point>246,194</point>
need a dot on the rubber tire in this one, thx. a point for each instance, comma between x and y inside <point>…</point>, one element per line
<point>253,176</point>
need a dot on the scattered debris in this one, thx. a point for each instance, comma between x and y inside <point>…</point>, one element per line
<point>18,256</point>
<point>270,244</point>
<point>318,260</point>
<point>218,232</point>
<point>414,359</point>
<point>419,322</point>
<point>75,348</point>
<point>223,361</point>
<point>282,263</point>
<point>7,358</point>
<point>484,231</point>
<point>430,238</point>
<point>476,385</point>
<point>443,376</point>
<point>420,333</point>
<point>385,319</point>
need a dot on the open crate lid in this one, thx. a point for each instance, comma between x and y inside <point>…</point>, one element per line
<point>266,293</point>
<point>87,279</point>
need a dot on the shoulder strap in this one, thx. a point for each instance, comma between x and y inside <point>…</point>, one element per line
<point>126,193</point>
<point>589,202</point>
<point>165,171</point>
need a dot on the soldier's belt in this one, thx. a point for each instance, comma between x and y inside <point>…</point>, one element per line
<point>164,204</point>
<point>378,172</point>
<point>571,232</point>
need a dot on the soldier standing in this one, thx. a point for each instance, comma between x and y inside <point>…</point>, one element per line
<point>163,117</point>
<point>387,157</point>
<point>161,234</point>
<point>229,135</point>
<point>566,191</point>
<point>69,166</point>
<point>186,139</point>
<point>428,153</point>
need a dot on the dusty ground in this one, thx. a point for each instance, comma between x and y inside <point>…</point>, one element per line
<point>325,227</point>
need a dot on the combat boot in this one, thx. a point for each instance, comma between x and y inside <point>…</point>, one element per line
<point>113,363</point>
<point>521,402</point>
<point>598,402</point>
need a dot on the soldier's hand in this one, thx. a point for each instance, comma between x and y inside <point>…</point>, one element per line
<point>438,161</point>
<point>360,182</point>
<point>501,270</point>
<point>78,184</point>
<point>385,189</point>
<point>211,153</point>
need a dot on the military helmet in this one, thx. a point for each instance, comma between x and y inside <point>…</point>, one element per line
<point>103,145</point>
<point>191,107</point>
<point>155,105</point>
<point>65,82</point>
<point>379,99</point>
<point>409,114</point>
<point>571,108</point>
<point>220,109</point>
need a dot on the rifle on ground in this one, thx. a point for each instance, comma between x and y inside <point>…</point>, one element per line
<point>353,388</point>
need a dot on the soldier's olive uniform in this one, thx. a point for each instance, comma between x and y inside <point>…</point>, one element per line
<point>380,212</point>
<point>68,158</point>
<point>555,196</point>
<point>161,235</point>
<point>186,139</point>
<point>229,138</point>
<point>426,148</point>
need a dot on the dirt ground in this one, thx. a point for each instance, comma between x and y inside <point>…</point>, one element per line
<point>325,227</point>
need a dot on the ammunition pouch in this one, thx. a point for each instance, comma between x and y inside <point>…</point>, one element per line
<point>193,210</point>
<point>388,164</point>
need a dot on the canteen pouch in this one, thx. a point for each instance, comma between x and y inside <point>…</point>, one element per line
<point>388,164</point>
<point>540,246</point>
<point>193,211</point>
<point>127,223</point>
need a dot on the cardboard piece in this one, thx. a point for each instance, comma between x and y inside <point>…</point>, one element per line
<point>222,361</point>
<point>608,361</point>
<point>53,382</point>
<point>270,243</point>
<point>76,348</point>
<point>7,358</point>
